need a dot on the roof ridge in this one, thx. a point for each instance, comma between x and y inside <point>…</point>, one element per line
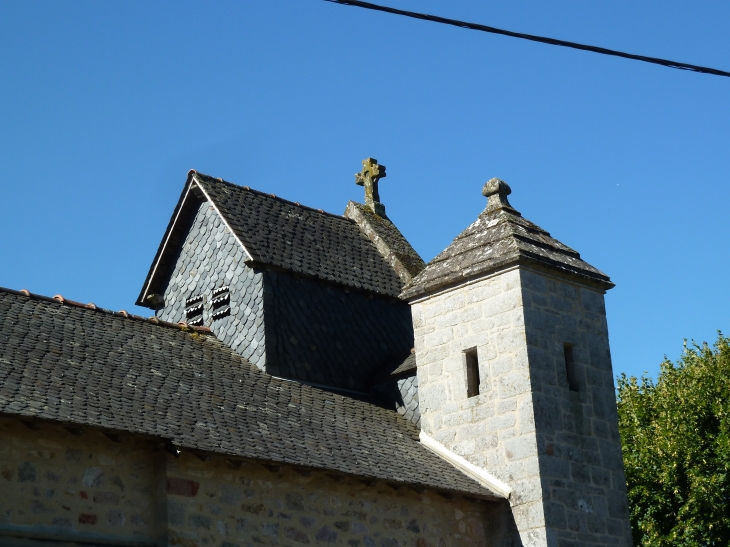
<point>58,299</point>
<point>272,196</point>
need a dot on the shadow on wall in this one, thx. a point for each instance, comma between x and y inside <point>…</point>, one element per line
<point>502,527</point>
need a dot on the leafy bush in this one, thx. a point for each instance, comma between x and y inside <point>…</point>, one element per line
<point>676,446</point>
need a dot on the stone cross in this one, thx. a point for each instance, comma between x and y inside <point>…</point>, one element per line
<point>371,173</point>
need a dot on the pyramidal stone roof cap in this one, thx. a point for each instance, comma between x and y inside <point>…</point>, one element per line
<point>498,238</point>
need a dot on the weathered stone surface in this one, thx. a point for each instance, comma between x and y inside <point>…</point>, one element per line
<point>499,238</point>
<point>389,240</point>
<point>557,448</point>
<point>369,177</point>
<point>271,508</point>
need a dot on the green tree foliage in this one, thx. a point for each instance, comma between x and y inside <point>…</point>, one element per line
<point>676,445</point>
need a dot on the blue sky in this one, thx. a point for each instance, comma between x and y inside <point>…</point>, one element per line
<point>105,106</point>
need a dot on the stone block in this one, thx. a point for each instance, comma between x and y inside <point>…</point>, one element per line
<point>432,355</point>
<point>580,473</point>
<point>484,291</point>
<point>520,447</point>
<point>502,303</point>
<point>555,515</point>
<point>469,314</point>
<point>449,319</point>
<point>530,515</point>
<point>182,487</point>
<point>553,467</point>
<point>526,491</point>
<point>501,364</point>
<point>617,504</point>
<point>512,384</point>
<point>487,442</point>
<point>469,431</point>
<point>611,456</point>
<point>500,423</point>
<point>454,300</point>
<point>533,281</point>
<point>438,337</point>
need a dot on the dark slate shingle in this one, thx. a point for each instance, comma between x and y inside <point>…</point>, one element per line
<point>280,233</point>
<point>93,368</point>
<point>409,364</point>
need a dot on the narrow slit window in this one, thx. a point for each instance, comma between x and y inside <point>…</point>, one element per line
<point>472,373</point>
<point>570,373</point>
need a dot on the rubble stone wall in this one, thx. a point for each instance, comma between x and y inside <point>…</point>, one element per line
<point>85,487</point>
<point>57,485</point>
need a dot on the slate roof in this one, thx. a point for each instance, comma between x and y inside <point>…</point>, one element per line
<point>283,234</point>
<point>500,237</point>
<point>96,368</point>
<point>408,365</point>
<point>396,371</point>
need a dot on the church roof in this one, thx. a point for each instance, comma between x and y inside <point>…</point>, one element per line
<point>282,234</point>
<point>91,367</point>
<point>498,238</point>
<point>406,366</point>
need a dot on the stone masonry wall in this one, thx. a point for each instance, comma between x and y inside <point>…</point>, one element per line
<point>254,505</point>
<point>86,487</point>
<point>557,449</point>
<point>211,258</point>
<point>57,485</point>
<point>494,430</point>
<point>577,432</point>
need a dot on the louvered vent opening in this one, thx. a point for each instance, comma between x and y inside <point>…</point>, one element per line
<point>194,310</point>
<point>221,303</point>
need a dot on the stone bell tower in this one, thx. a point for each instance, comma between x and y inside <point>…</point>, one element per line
<point>515,378</point>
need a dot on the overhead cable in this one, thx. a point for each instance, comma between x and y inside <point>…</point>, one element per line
<point>532,37</point>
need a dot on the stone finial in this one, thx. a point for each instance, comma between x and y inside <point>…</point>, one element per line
<point>371,173</point>
<point>496,192</point>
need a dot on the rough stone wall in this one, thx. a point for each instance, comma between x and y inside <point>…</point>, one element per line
<point>87,488</point>
<point>211,258</point>
<point>258,506</point>
<point>577,432</point>
<point>495,429</point>
<point>328,335</point>
<point>56,485</point>
<point>558,450</point>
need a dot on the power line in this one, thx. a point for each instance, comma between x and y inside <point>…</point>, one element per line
<point>532,37</point>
